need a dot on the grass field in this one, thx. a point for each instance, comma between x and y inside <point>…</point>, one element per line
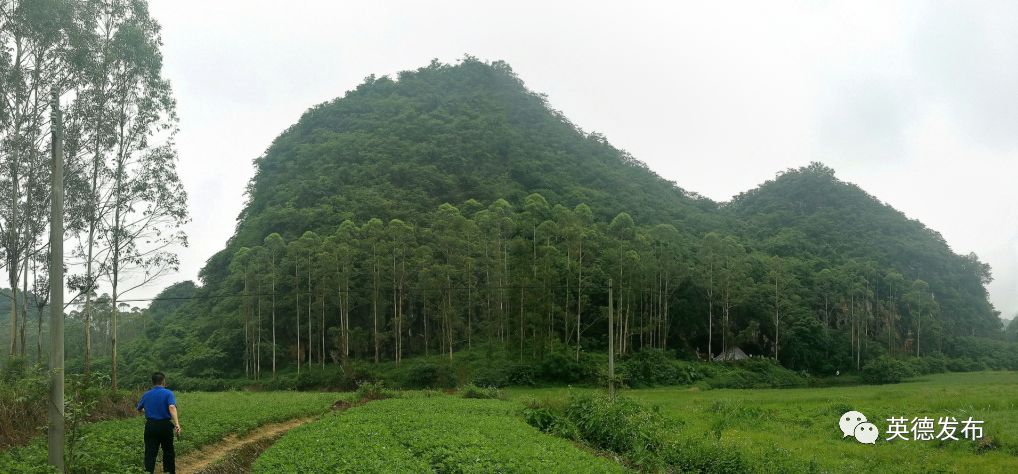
<point>116,447</point>
<point>803,423</point>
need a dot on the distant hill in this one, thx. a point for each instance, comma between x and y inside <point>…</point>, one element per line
<point>810,214</point>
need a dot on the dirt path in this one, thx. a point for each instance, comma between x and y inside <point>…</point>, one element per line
<point>208,456</point>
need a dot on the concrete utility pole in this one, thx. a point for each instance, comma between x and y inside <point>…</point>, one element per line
<point>611,342</point>
<point>55,434</point>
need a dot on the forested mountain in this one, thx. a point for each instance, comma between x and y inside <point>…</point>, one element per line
<point>812,215</point>
<point>450,208</point>
<point>398,148</point>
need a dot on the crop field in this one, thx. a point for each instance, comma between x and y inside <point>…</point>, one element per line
<point>430,432</point>
<point>802,424</point>
<point>115,446</point>
<point>427,434</point>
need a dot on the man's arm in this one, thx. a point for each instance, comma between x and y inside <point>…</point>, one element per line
<point>173,414</point>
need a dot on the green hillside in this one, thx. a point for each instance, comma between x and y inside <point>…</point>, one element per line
<point>811,214</point>
<point>451,208</point>
<point>397,148</point>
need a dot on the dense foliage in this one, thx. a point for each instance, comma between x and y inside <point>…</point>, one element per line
<point>426,434</point>
<point>24,394</point>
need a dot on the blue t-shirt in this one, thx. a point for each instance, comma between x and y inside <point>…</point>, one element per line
<point>156,403</point>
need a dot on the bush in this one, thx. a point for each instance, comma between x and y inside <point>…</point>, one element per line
<point>375,391</point>
<point>473,391</point>
<point>551,421</point>
<point>651,367</point>
<point>753,373</point>
<point>703,455</point>
<point>886,370</point>
<point>965,364</point>
<point>619,424</point>
<point>15,369</point>
<point>429,375</point>
<point>560,367</point>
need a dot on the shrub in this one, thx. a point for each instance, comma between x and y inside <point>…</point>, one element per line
<point>564,368</point>
<point>965,364</point>
<point>374,391</point>
<point>521,374</point>
<point>651,367</point>
<point>703,455</point>
<point>619,424</point>
<point>886,370</point>
<point>473,391</point>
<point>429,375</point>
<point>551,421</point>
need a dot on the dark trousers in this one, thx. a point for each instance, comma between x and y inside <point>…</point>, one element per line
<point>159,433</point>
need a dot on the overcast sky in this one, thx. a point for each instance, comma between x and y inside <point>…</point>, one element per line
<point>915,102</point>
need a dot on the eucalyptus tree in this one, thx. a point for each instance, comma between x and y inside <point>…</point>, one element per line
<point>577,233</point>
<point>894,282</point>
<point>665,248</point>
<point>275,249</point>
<point>709,254</point>
<point>343,245</point>
<point>109,64</point>
<point>400,237</point>
<point>147,204</point>
<point>293,257</point>
<point>733,280</point>
<point>34,45</point>
<point>779,276</point>
<point>301,253</point>
<point>535,211</point>
<point>259,256</point>
<point>550,260</point>
<point>240,272</point>
<point>372,241</point>
<point>920,301</point>
<point>621,231</point>
<point>448,231</point>
<point>325,279</point>
<point>503,224</point>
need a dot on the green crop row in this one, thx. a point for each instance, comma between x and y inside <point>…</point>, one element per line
<point>431,434</point>
<point>116,446</point>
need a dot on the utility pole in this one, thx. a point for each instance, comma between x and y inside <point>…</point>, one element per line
<point>611,342</point>
<point>55,434</point>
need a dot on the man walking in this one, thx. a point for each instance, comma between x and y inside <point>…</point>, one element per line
<point>161,422</point>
